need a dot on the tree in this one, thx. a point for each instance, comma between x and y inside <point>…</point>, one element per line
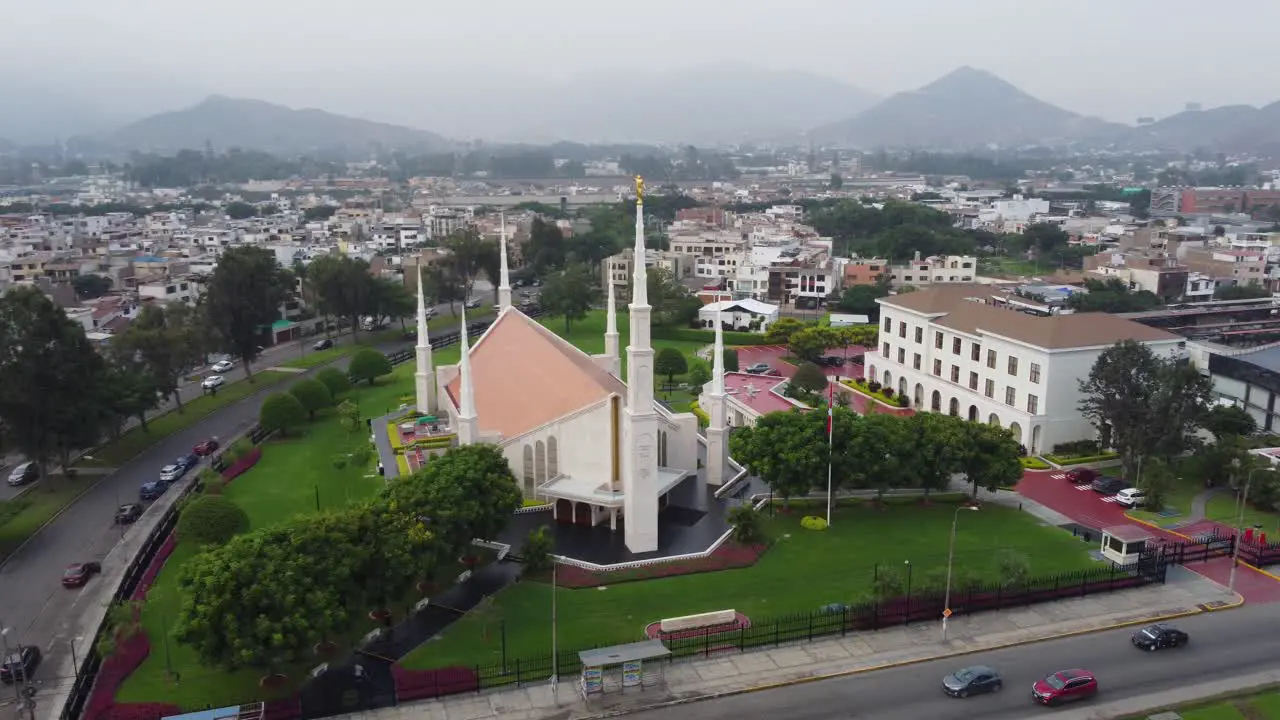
<point>730,360</point>
<point>91,286</point>
<point>836,182</point>
<point>809,378</point>
<point>350,412</point>
<point>1111,296</point>
<point>988,456</point>
<point>810,342</point>
<point>787,450</point>
<point>168,342</point>
<point>546,246</point>
<point>51,399</point>
<point>344,288</point>
<point>699,375</point>
<point>670,362</point>
<point>240,210</point>
<point>243,299</point>
<point>128,392</point>
<point>470,255</point>
<point>335,380</point>
<point>390,300</point>
<point>569,294</point>
<point>1143,404</point>
<point>313,395</point>
<point>870,451</point>
<point>538,546</point>
<point>748,527</point>
<point>211,520</point>
<point>439,285</point>
<point>1227,420</point>
<point>780,332</point>
<point>861,299</point>
<point>1240,292</point>
<point>368,364</point>
<point>280,412</point>
<point>1015,568</point>
<point>467,493</point>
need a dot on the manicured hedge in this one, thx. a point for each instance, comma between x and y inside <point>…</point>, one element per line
<point>1068,460</point>
<point>1034,463</point>
<point>704,419</point>
<point>731,337</point>
<point>863,387</point>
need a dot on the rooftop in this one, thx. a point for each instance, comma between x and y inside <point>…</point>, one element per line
<point>761,393</point>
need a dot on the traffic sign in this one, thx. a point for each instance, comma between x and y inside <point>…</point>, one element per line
<point>946,613</point>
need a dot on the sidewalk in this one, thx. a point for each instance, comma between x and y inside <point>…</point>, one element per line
<point>1184,594</point>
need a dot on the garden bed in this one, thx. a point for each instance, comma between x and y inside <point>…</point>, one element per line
<point>1067,460</point>
<point>894,401</point>
<point>1034,463</point>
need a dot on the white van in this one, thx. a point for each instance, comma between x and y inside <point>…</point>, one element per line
<point>1131,497</point>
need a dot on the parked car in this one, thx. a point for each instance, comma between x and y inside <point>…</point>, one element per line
<point>222,366</point>
<point>23,474</point>
<point>1131,497</point>
<point>78,574</point>
<point>473,303</point>
<point>176,469</point>
<point>212,382</point>
<point>207,447</point>
<point>972,681</point>
<point>152,490</point>
<point>1109,485</point>
<point>1156,637</point>
<point>324,344</point>
<point>20,665</point>
<point>128,514</point>
<point>831,360</point>
<point>1082,476</point>
<point>1064,686</point>
<point>760,368</point>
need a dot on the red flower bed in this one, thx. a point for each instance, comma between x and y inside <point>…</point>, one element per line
<point>728,556</point>
<point>421,684</point>
<point>149,577</point>
<point>242,465</point>
<point>283,709</point>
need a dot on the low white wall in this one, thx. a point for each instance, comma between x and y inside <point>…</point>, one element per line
<point>701,620</point>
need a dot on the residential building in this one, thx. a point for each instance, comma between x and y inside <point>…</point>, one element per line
<point>1153,271</point>
<point>921,272</point>
<point>618,269</point>
<point>742,315</point>
<point>950,349</point>
<point>178,289</point>
<point>863,271</point>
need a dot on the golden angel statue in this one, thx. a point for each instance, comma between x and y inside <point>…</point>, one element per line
<point>639,189</point>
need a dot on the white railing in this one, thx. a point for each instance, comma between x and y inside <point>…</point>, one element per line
<point>535,508</point>
<point>501,548</point>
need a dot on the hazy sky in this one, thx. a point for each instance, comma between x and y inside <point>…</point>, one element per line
<point>1114,58</point>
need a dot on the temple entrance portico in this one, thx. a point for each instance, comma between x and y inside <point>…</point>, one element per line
<point>576,501</point>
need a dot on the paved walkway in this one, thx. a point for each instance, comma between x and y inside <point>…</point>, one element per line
<point>1185,593</point>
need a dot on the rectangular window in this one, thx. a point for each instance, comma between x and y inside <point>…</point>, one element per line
<point>888,325</point>
<point>919,335</point>
<point>955,346</point>
<point>1033,405</point>
<point>955,373</point>
<point>991,359</point>
<point>902,329</point>
<point>886,350</point>
<point>1010,396</point>
<point>1035,372</point>
<point>902,356</point>
<point>975,352</point>
<point>937,368</point>
<point>1013,365</point>
<point>973,381</point>
<point>937,340</point>
<point>990,389</point>
<point>915,362</point>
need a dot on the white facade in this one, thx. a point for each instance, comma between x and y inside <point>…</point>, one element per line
<point>933,270</point>
<point>988,377</point>
<point>172,290</point>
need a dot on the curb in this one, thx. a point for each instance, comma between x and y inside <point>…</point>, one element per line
<point>914,661</point>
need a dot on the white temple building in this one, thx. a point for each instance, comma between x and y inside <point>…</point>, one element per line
<point>576,433</point>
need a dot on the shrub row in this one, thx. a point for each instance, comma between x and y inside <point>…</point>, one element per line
<point>1033,463</point>
<point>1072,460</point>
<point>704,419</point>
<point>706,336</point>
<point>728,556</point>
<point>873,389</point>
<point>1078,448</point>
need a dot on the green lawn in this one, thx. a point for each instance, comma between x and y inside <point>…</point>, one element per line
<point>1013,266</point>
<point>1221,507</point>
<point>294,475</point>
<point>316,358</point>
<point>119,451</point>
<point>22,517</point>
<point>1265,706</point>
<point>803,571</point>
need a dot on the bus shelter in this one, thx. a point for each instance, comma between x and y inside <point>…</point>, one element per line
<point>622,668</point>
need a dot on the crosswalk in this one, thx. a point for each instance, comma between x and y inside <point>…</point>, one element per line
<point>1108,499</point>
<point>1059,476</point>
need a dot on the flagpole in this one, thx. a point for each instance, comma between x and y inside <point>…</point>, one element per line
<point>830,443</point>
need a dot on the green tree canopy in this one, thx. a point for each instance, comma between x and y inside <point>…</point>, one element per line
<point>343,287</point>
<point>809,343</point>
<point>313,395</point>
<point>809,378</point>
<point>368,364</point>
<point>211,520</point>
<point>569,294</point>
<point>243,299</point>
<point>988,456</point>
<point>281,412</point>
<point>670,362</point>
<point>1227,420</point>
<point>168,341</point>
<point>335,380</point>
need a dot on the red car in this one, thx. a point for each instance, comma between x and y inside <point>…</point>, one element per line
<point>1082,476</point>
<point>1065,686</point>
<point>208,447</point>
<point>78,574</point>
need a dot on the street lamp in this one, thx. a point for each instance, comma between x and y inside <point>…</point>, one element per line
<point>75,662</point>
<point>555,650</point>
<point>1235,546</point>
<point>951,554</point>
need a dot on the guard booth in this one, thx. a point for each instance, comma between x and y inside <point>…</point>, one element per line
<point>1124,544</point>
<point>251,711</point>
<point>622,668</point>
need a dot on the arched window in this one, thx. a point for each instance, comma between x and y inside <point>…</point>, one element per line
<point>935,402</point>
<point>553,458</point>
<point>540,462</point>
<point>528,470</point>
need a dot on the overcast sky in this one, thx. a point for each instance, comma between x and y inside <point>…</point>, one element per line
<point>1117,59</point>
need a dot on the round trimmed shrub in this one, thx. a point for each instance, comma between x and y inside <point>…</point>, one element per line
<point>335,380</point>
<point>813,522</point>
<point>211,520</point>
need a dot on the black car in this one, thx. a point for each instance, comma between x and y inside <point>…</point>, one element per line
<point>128,514</point>
<point>19,666</point>
<point>831,360</point>
<point>324,344</point>
<point>1109,485</point>
<point>152,490</point>
<point>1156,637</point>
<point>973,680</point>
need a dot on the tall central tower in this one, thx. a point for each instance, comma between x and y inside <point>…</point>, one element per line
<point>640,449</point>
<point>424,380</point>
<point>714,404</point>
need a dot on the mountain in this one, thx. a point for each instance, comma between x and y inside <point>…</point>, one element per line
<point>1230,128</point>
<point>963,109</point>
<point>704,105</point>
<point>228,122</point>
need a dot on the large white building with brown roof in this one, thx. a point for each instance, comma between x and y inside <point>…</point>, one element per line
<point>953,350</point>
<point>576,435</point>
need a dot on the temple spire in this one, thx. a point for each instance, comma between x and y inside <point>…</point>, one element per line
<point>611,333</point>
<point>424,380</point>
<point>504,282</point>
<point>640,484</point>
<point>717,363</point>
<point>713,402</point>
<point>639,275</point>
<point>468,428</point>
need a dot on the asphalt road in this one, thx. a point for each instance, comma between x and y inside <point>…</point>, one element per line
<point>32,600</point>
<point>1223,646</point>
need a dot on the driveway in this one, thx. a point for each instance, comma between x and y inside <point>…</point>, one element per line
<point>32,599</point>
<point>1088,508</point>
